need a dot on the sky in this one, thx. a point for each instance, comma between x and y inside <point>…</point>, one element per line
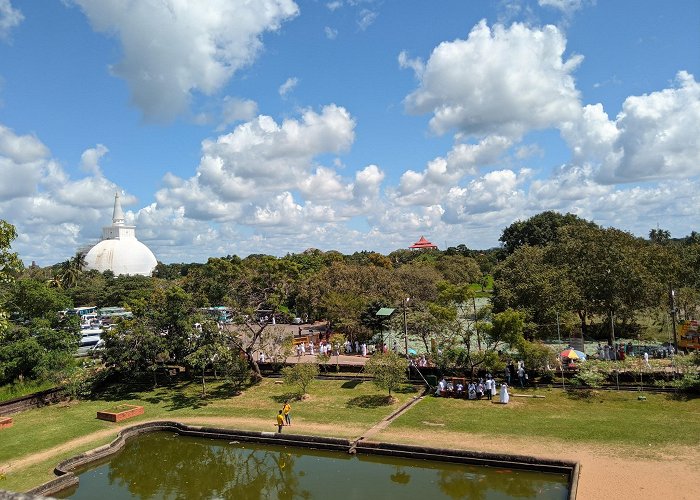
<point>274,126</point>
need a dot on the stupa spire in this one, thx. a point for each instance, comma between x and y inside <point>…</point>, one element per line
<point>118,213</point>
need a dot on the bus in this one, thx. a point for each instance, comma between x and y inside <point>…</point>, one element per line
<point>81,311</point>
<point>220,314</point>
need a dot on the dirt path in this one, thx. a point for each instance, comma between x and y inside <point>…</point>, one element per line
<point>606,472</point>
<point>299,426</point>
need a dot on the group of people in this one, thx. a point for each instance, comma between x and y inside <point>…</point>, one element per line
<point>512,371</point>
<point>475,389</point>
<point>283,417</point>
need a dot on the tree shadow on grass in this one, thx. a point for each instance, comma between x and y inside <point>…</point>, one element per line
<point>351,384</point>
<point>287,396</point>
<point>407,389</point>
<point>370,401</point>
<point>117,392</point>
<point>180,401</point>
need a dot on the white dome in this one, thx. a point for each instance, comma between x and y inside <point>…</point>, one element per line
<point>121,256</point>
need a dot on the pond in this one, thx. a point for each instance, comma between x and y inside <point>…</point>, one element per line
<point>169,466</point>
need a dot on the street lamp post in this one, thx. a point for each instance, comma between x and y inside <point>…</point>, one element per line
<point>673,318</point>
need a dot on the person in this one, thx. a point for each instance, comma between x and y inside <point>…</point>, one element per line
<point>357,347</point>
<point>442,386</point>
<point>506,373</point>
<point>494,389</point>
<point>364,349</point>
<point>472,390</point>
<point>480,389</point>
<point>280,421</point>
<point>261,357</point>
<point>487,388</point>
<point>511,369</point>
<point>504,396</point>
<point>311,347</point>
<point>646,360</point>
<point>521,374</point>
<point>287,418</point>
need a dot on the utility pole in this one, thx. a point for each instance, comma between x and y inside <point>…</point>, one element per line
<point>672,298</point>
<point>561,364</point>
<point>405,326</point>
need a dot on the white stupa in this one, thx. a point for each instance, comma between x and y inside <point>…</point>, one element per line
<point>120,251</point>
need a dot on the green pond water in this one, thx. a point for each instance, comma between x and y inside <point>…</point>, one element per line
<point>165,465</point>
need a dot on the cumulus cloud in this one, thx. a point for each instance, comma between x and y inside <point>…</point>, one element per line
<point>10,18</point>
<point>90,159</point>
<point>260,158</point>
<point>428,187</point>
<point>652,138</point>
<point>658,136</point>
<point>500,80</point>
<point>289,85</point>
<point>173,48</point>
<point>235,110</point>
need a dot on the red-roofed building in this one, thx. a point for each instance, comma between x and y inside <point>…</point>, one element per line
<point>423,244</point>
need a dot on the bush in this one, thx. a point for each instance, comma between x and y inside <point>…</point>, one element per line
<point>589,376</point>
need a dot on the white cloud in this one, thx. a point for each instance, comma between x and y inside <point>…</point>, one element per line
<point>235,110</point>
<point>331,33</point>
<point>335,5</point>
<point>324,185</point>
<point>658,134</point>
<point>366,18</point>
<point>259,159</point>
<point>416,64</point>
<point>90,159</point>
<point>566,6</point>
<point>21,149</point>
<point>500,80</point>
<point>173,48</point>
<point>9,18</point>
<point>289,85</point>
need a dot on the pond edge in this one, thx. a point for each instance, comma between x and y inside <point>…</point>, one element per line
<point>66,477</point>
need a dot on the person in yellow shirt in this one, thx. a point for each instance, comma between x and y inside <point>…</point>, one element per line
<point>287,418</point>
<point>280,421</point>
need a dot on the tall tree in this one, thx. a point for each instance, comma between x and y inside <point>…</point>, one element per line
<point>10,265</point>
<point>539,230</point>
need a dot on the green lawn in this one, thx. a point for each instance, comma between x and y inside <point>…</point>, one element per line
<point>348,408</point>
<point>611,418</point>
<point>341,408</point>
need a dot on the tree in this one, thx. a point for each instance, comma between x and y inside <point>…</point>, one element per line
<point>506,328</point>
<point>539,230</point>
<point>134,348</point>
<point>388,370</point>
<point>10,265</point>
<point>660,236</point>
<point>35,299</point>
<point>301,375</point>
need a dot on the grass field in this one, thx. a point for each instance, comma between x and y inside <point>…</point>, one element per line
<point>610,418</point>
<point>340,408</point>
<point>41,438</point>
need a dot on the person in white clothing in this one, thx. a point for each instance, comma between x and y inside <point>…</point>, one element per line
<point>504,396</point>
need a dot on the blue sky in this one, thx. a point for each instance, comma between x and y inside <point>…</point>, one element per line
<point>273,126</point>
